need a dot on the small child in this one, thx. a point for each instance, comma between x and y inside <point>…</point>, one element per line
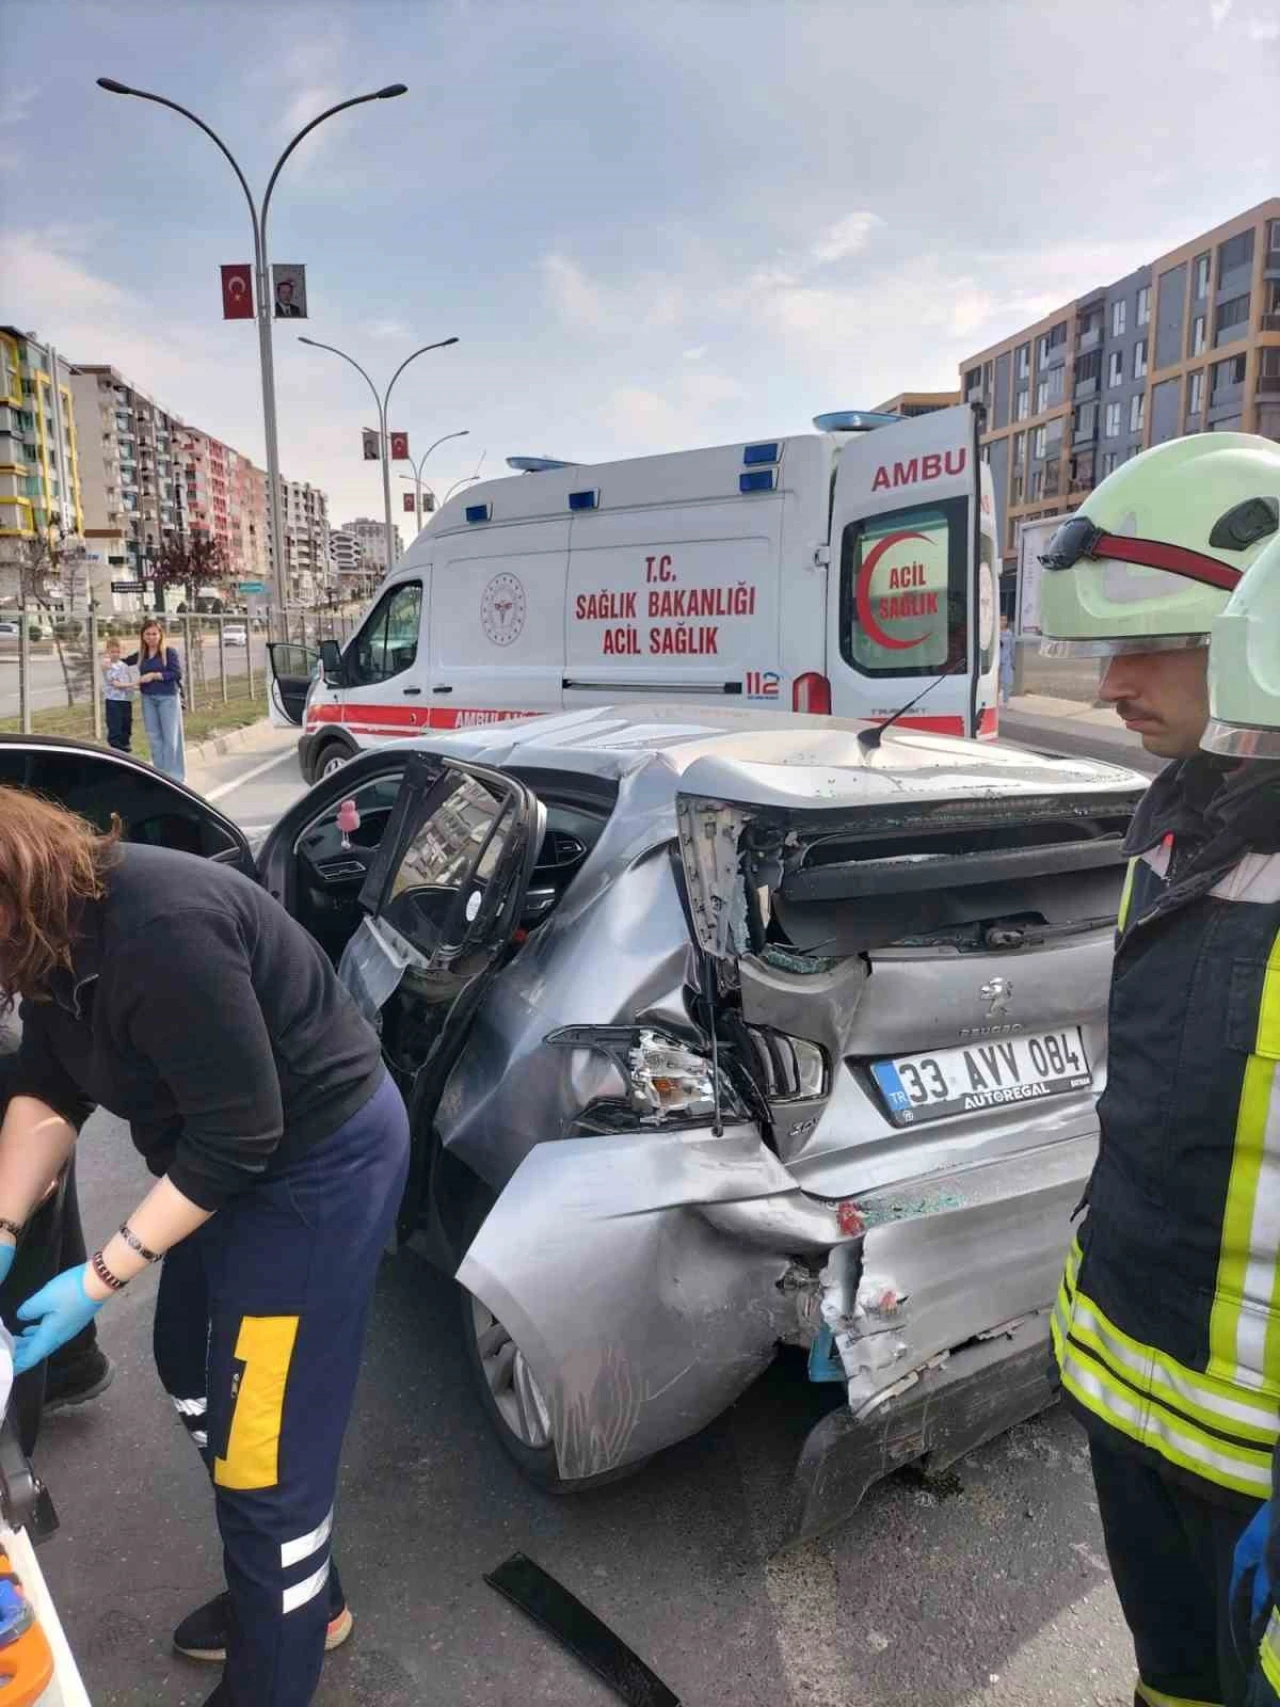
<point>117,687</point>
<point>1006,661</point>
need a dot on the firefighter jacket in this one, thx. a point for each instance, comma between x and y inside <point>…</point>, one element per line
<point>1167,1326</point>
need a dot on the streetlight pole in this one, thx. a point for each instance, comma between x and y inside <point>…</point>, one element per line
<point>265,356</point>
<point>382,403</point>
<point>416,476</point>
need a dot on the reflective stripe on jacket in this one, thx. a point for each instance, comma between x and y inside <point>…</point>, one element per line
<point>1167,1326</point>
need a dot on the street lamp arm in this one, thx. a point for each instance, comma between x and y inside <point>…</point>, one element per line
<point>443,344</point>
<point>317,345</point>
<point>441,440</point>
<point>355,101</point>
<point>466,480</point>
<point>114,88</point>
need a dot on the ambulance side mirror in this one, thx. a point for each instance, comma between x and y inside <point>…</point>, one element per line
<point>331,659</point>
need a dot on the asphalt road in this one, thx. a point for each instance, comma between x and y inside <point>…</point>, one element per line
<point>1118,745</point>
<point>989,1591</point>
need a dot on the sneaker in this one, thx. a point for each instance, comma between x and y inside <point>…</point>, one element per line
<point>202,1635</point>
<point>78,1382</point>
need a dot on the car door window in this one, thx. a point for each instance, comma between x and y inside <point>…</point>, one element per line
<point>439,889</point>
<point>387,645</point>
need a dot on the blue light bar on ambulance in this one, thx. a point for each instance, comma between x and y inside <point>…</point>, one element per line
<point>853,421</point>
<point>479,512</point>
<point>761,453</point>
<point>535,464</point>
<point>759,480</point>
<point>583,500</point>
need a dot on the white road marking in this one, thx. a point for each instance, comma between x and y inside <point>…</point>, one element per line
<point>225,788</point>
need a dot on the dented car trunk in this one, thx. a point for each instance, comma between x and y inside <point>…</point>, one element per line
<point>886,970</point>
<point>948,953</point>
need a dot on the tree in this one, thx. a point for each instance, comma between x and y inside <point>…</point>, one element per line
<point>50,571</point>
<point>189,561</point>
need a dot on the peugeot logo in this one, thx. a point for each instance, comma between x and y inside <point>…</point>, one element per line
<point>996,992</point>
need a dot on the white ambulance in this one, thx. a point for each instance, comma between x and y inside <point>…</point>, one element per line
<point>851,570</point>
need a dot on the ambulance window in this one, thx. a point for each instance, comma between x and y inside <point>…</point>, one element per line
<point>903,581</point>
<point>387,645</point>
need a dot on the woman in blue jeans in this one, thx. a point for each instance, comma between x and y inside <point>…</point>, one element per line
<point>160,680</point>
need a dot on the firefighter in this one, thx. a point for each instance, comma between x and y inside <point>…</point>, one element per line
<point>1167,1328</point>
<point>1244,710</point>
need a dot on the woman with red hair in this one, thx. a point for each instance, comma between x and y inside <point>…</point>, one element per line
<point>177,994</point>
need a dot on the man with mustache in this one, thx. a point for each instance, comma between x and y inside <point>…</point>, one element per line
<point>1167,1327</point>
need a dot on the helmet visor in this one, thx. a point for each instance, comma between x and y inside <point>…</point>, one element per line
<point>1235,742</point>
<point>1080,540</point>
<point>1122,648</point>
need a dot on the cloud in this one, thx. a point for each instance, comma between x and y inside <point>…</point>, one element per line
<point>385,329</point>
<point>692,406</point>
<point>695,354</point>
<point>846,237</point>
<point>651,302</point>
<point>1263,29</point>
<point>1219,11</point>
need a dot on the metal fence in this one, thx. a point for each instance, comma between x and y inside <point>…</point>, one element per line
<point>51,674</point>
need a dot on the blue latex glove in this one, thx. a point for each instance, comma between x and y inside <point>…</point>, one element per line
<point>56,1314</point>
<point>1251,1595</point>
<point>7,1254</point>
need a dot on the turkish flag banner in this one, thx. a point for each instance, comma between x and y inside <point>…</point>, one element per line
<point>409,502</point>
<point>399,447</point>
<point>237,291</point>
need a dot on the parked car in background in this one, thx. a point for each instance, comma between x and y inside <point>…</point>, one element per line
<point>9,630</point>
<point>235,634</point>
<point>720,1031</point>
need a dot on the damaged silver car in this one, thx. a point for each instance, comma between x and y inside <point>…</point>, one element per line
<point>720,1032</point>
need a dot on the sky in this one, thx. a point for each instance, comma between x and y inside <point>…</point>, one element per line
<point>650,226</point>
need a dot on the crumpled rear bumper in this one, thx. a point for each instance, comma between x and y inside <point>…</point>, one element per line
<point>981,1390</point>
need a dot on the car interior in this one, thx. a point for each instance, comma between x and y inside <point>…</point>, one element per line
<point>333,863</point>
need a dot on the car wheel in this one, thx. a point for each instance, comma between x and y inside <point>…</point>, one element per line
<point>331,757</point>
<point>513,1401</point>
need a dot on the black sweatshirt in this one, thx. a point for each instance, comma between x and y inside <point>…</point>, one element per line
<point>200,1012</point>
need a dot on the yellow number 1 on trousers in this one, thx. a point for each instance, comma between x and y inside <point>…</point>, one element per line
<point>264,1346</point>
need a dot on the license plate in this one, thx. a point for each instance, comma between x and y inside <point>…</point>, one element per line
<point>983,1075</point>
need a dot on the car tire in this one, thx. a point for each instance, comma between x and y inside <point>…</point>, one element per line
<point>329,757</point>
<point>510,1397</point>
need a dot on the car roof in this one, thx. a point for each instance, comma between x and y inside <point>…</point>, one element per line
<point>784,758</point>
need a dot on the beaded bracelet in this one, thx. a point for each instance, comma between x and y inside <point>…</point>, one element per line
<point>104,1274</point>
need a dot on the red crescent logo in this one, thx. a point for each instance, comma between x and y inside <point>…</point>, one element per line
<point>862,594</point>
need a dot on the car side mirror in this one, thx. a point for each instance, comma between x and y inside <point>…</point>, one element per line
<point>331,659</point>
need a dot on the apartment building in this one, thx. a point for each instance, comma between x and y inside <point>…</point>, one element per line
<point>40,485</point>
<point>306,531</point>
<point>225,497</point>
<point>133,499</point>
<point>372,536</point>
<point>1188,343</point>
<point>345,553</point>
<point>911,403</point>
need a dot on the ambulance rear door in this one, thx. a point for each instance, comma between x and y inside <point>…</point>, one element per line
<point>673,580</point>
<point>911,597</point>
<point>497,609</point>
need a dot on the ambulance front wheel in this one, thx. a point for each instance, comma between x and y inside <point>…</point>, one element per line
<point>329,757</point>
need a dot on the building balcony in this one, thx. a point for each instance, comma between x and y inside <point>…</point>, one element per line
<point>1271,322</point>
<point>1269,385</point>
<point>1089,341</point>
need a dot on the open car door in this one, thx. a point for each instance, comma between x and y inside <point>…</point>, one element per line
<point>293,669</point>
<point>443,902</point>
<point>98,783</point>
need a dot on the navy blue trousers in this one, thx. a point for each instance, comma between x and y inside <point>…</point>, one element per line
<point>259,1328</point>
